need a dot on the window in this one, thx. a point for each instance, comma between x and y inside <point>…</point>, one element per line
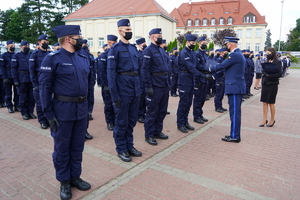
<point>196,32</point>
<point>229,20</point>
<point>222,21</point>
<point>239,45</point>
<point>250,18</point>
<point>212,33</point>
<point>213,22</point>
<point>257,46</point>
<point>248,46</point>
<point>197,22</point>
<point>204,22</point>
<point>239,33</point>
<point>101,42</point>
<point>189,22</point>
<point>248,32</point>
<point>204,33</point>
<point>90,42</point>
<point>258,32</point>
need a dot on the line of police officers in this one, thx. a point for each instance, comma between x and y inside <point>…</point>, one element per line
<point>135,85</point>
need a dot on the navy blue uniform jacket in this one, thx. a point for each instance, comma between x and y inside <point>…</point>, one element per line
<point>5,65</point>
<point>35,63</point>
<point>20,62</point>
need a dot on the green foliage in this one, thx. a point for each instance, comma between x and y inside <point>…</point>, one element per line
<point>4,23</point>
<point>72,5</point>
<point>293,41</point>
<point>171,45</point>
<point>210,46</point>
<point>282,46</point>
<point>268,42</point>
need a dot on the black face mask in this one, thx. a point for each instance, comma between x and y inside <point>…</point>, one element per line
<point>269,56</point>
<point>218,54</point>
<point>192,46</point>
<point>158,41</point>
<point>45,46</point>
<point>128,35</point>
<point>78,44</point>
<point>26,49</point>
<point>212,55</point>
<point>165,48</point>
<point>246,55</point>
<point>203,46</point>
<point>12,49</point>
<point>225,55</point>
<point>85,47</point>
<point>176,54</point>
<point>251,56</point>
<point>144,47</point>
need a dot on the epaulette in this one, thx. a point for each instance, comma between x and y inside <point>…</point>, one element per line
<point>82,55</point>
<point>53,53</point>
<point>113,46</point>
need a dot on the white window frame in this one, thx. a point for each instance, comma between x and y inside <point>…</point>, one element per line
<point>213,22</point>
<point>101,41</point>
<point>90,42</point>
<point>257,47</point>
<point>239,33</point>
<point>230,20</point>
<point>222,21</point>
<point>204,22</point>
<point>248,33</point>
<point>189,22</point>
<point>248,45</point>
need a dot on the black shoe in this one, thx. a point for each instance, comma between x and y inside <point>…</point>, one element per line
<point>1,105</point>
<point>229,139</point>
<point>151,140</point>
<point>65,190</point>
<point>80,184</point>
<point>262,125</point>
<point>271,125</point>
<point>25,117</point>
<point>220,110</point>
<point>135,153</point>
<point>206,99</point>
<point>189,127</point>
<point>44,125</point>
<point>213,94</point>
<point>4,104</point>
<point>204,119</point>
<point>17,109</point>
<point>245,96</point>
<point>250,95</point>
<point>124,156</point>
<point>199,121</point>
<point>10,110</point>
<point>168,112</point>
<point>224,109</point>
<point>110,127</point>
<point>90,116</point>
<point>32,116</point>
<point>182,129</point>
<point>88,136</point>
<point>174,95</point>
<point>161,136</point>
<point>141,120</point>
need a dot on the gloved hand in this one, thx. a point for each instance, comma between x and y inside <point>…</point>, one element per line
<point>117,103</point>
<point>5,81</point>
<point>209,77</point>
<point>54,124</point>
<point>36,89</point>
<point>106,89</point>
<point>17,84</point>
<point>198,85</point>
<point>265,73</point>
<point>221,83</point>
<point>150,92</point>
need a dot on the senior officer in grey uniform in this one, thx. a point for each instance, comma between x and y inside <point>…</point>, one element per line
<point>124,85</point>
<point>64,85</point>
<point>235,86</point>
<point>155,72</point>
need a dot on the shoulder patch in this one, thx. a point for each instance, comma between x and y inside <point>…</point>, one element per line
<point>111,57</point>
<point>31,59</point>
<point>45,68</point>
<point>13,60</point>
<point>145,56</point>
<point>82,55</point>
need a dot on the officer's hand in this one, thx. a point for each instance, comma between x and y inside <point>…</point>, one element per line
<point>209,77</point>
<point>221,83</point>
<point>106,89</point>
<point>5,81</point>
<point>118,103</point>
<point>150,92</point>
<point>36,89</point>
<point>54,124</point>
<point>198,85</point>
<point>17,84</point>
<point>172,74</point>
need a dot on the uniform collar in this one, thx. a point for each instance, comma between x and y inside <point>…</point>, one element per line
<point>64,51</point>
<point>121,42</point>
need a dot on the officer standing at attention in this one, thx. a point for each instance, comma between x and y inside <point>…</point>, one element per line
<point>64,85</point>
<point>175,72</point>
<point>20,73</point>
<point>56,46</point>
<point>2,92</point>
<point>155,72</point>
<point>235,86</point>
<point>124,85</point>
<point>8,81</point>
<point>35,62</point>
<point>141,45</point>
<point>201,84</point>
<point>188,64</point>
<point>102,73</point>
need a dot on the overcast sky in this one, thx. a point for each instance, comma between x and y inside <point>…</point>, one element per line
<point>270,8</point>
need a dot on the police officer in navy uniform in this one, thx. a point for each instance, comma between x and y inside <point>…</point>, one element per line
<point>201,83</point>
<point>235,86</point>
<point>155,72</point>
<point>20,73</point>
<point>8,81</point>
<point>64,85</point>
<point>2,91</point>
<point>141,45</point>
<point>102,72</point>
<point>124,85</point>
<point>175,72</point>
<point>56,46</point>
<point>188,64</point>
<point>35,62</point>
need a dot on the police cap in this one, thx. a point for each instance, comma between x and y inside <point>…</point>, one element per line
<point>123,22</point>
<point>140,41</point>
<point>174,49</point>
<point>112,38</point>
<point>56,44</point>
<point>190,37</point>
<point>223,49</point>
<point>231,39</point>
<point>84,41</point>
<point>202,38</point>
<point>64,30</point>
<point>24,43</point>
<point>155,31</point>
<point>43,37</point>
<point>10,42</point>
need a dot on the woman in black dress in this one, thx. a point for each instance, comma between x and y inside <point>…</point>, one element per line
<point>270,87</point>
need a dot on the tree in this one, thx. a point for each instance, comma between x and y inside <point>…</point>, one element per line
<point>268,42</point>
<point>4,21</point>
<point>181,37</point>
<point>14,29</point>
<point>71,5</point>
<point>219,36</point>
<point>282,45</point>
<point>293,41</point>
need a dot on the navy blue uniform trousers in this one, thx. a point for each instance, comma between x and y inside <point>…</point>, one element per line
<point>68,147</point>
<point>199,100</point>
<point>142,105</point>
<point>2,92</point>
<point>126,117</point>
<point>235,112</point>
<point>108,107</point>
<point>219,94</point>
<point>26,99</point>
<point>157,106</point>
<point>38,107</point>
<point>185,102</point>
<point>9,94</point>
<point>174,83</point>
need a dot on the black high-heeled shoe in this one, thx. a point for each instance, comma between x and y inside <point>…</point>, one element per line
<point>262,125</point>
<point>271,125</point>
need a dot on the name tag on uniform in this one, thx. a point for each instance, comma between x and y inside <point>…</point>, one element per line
<point>66,64</point>
<point>13,60</point>
<point>111,57</point>
<point>46,68</point>
<point>187,58</point>
<point>147,56</point>
<point>31,59</point>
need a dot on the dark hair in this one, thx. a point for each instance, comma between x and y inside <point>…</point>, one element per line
<point>273,53</point>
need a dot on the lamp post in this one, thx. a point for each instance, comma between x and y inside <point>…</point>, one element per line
<point>280,25</point>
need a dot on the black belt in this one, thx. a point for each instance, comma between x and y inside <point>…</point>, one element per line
<point>70,99</point>
<point>159,73</point>
<point>175,67</point>
<point>135,73</point>
<point>7,68</point>
<point>184,71</point>
<point>23,72</point>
